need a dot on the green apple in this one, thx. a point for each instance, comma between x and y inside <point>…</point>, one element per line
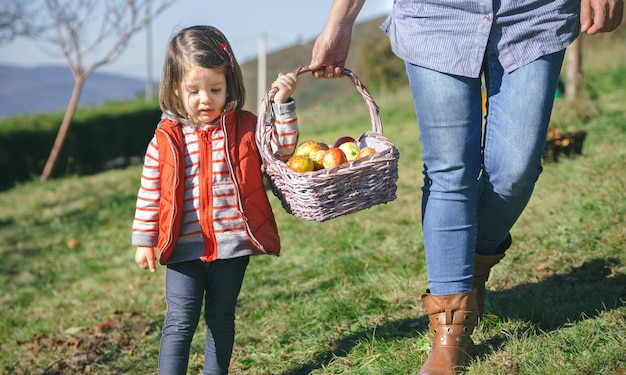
<point>351,149</point>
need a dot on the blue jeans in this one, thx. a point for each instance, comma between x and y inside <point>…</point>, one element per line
<point>187,285</point>
<point>478,180</point>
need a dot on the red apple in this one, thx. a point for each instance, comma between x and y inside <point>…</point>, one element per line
<point>342,140</point>
<point>333,157</point>
<point>306,148</point>
<point>365,151</point>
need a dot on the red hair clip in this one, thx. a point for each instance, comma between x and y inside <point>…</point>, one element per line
<point>230,56</point>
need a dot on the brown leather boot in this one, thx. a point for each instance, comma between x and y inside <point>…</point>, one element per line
<point>482,268</point>
<point>452,321</point>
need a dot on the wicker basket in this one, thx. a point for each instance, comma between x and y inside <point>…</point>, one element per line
<point>329,193</point>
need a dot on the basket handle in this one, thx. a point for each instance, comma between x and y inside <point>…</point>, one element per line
<point>269,96</point>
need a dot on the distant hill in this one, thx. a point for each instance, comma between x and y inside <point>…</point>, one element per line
<point>46,89</point>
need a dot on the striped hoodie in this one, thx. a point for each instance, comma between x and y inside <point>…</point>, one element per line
<point>214,223</point>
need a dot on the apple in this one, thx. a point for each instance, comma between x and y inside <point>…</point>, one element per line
<point>72,243</point>
<point>351,149</point>
<point>342,140</point>
<point>333,157</point>
<point>300,164</point>
<point>365,151</point>
<point>318,159</point>
<point>306,148</point>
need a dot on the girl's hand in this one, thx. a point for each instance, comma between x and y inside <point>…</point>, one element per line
<point>286,85</point>
<point>145,258</point>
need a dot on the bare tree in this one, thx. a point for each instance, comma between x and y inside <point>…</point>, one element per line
<point>574,75</point>
<point>19,18</point>
<point>73,21</point>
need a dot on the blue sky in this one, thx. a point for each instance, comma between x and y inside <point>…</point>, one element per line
<point>283,22</point>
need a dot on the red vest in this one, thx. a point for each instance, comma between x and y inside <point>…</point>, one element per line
<point>246,172</point>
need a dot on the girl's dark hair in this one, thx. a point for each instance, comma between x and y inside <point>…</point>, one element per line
<point>203,46</point>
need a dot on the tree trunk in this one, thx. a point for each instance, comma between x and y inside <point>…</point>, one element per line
<point>65,125</point>
<point>574,76</point>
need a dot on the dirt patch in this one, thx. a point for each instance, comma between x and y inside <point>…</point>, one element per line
<point>84,351</point>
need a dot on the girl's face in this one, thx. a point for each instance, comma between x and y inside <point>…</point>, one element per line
<point>203,93</point>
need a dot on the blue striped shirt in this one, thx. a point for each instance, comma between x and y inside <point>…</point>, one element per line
<point>451,36</point>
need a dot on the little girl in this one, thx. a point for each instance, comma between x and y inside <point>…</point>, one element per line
<point>202,202</point>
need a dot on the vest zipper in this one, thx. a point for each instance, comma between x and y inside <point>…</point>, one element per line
<point>205,170</point>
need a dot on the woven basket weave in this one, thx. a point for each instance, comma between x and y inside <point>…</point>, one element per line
<point>329,193</point>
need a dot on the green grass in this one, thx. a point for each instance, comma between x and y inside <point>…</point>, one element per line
<point>344,296</point>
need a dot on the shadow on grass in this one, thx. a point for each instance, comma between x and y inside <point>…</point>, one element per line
<point>580,294</point>
<point>564,298</point>
<point>397,329</point>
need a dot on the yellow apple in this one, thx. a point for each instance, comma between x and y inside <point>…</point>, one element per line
<point>318,159</point>
<point>365,151</point>
<point>306,148</point>
<point>300,164</point>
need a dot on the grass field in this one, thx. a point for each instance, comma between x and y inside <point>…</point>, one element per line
<point>344,297</point>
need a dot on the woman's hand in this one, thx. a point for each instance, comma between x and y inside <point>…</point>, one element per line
<point>599,16</point>
<point>331,51</point>
<point>332,45</point>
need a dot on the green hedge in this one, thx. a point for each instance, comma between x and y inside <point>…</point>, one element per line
<point>111,135</point>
